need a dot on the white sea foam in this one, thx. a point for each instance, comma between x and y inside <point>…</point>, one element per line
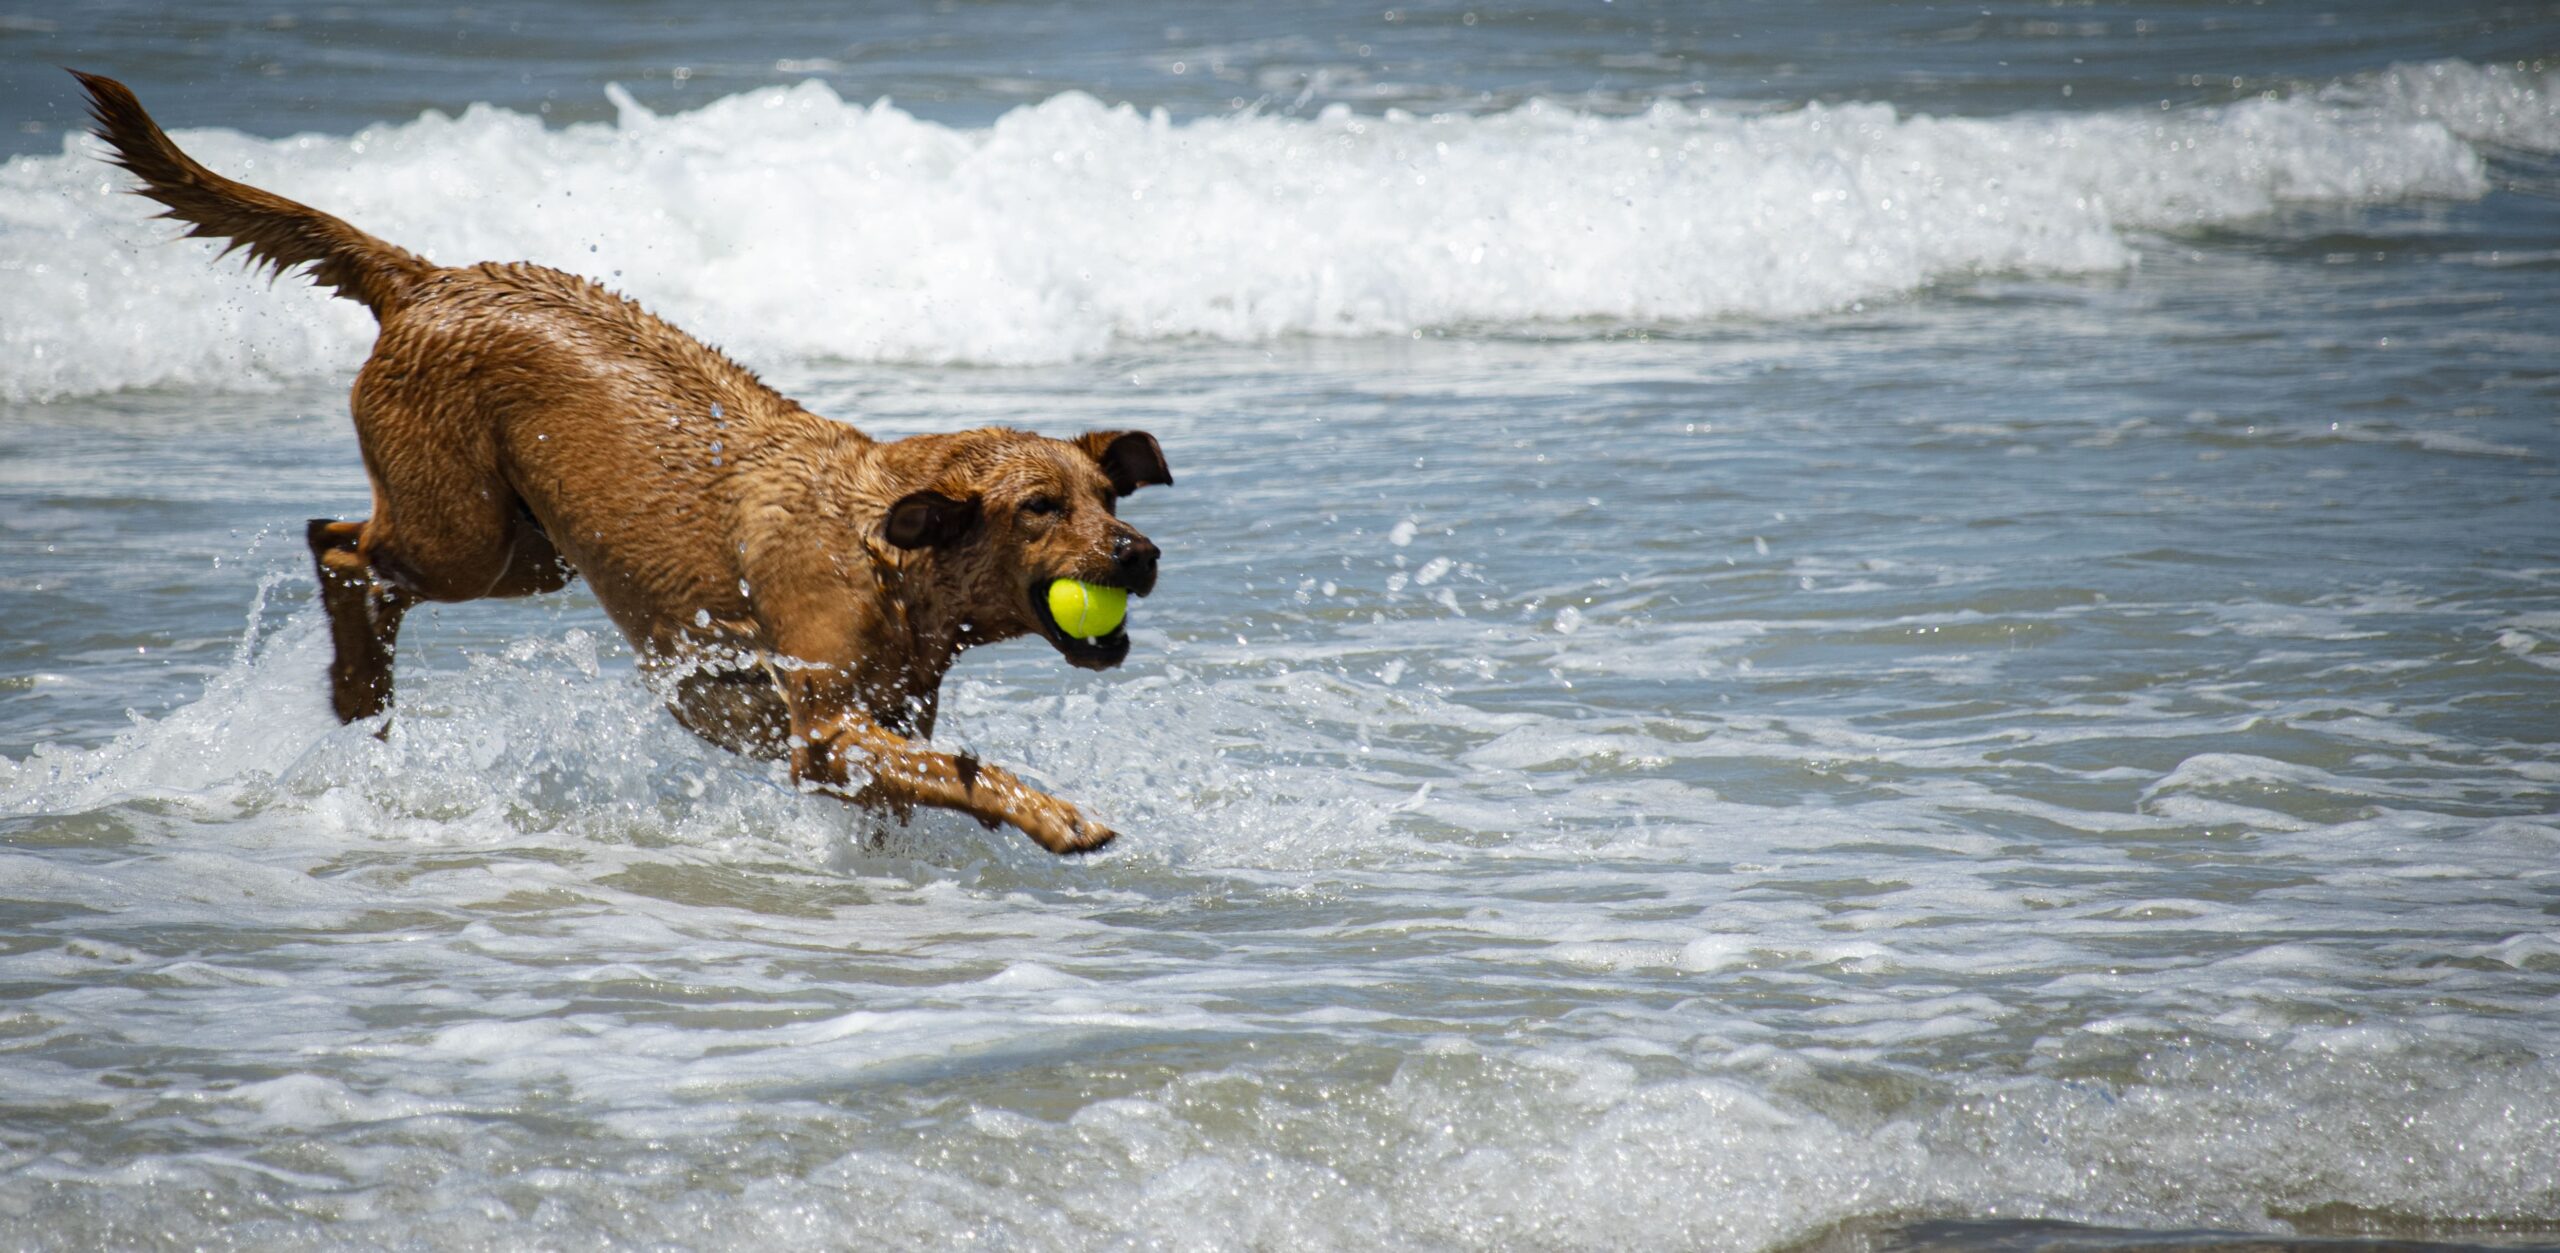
<point>538,902</point>
<point>788,224</point>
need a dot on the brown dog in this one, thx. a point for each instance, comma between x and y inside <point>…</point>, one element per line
<point>791,586</point>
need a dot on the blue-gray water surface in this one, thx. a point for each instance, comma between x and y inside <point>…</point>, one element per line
<point>1781,623</point>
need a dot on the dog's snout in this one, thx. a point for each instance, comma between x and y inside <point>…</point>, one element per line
<point>1136,556</point>
<point>1134,552</point>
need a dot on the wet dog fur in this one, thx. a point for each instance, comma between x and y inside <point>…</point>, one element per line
<point>793,587</point>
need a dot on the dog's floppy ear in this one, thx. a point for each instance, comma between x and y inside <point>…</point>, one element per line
<point>929,519</point>
<point>1130,458</point>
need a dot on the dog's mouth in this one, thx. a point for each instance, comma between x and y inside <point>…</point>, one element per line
<point>1099,653</point>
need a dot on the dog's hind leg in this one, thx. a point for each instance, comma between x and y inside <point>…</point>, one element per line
<point>365,607</point>
<point>364,619</point>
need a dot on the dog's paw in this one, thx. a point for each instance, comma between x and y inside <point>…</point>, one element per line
<point>1063,829</point>
<point>1089,835</point>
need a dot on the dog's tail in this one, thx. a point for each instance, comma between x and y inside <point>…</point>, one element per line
<point>279,233</point>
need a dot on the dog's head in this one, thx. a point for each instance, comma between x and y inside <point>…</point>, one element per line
<point>1013,512</point>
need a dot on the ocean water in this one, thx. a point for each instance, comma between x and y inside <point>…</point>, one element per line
<point>1808,627</point>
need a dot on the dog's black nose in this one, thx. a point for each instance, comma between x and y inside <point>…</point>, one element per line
<point>1136,556</point>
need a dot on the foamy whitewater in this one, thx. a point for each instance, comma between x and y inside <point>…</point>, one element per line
<point>788,224</point>
<point>1735,670</point>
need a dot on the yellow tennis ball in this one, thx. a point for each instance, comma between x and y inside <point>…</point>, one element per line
<point>1085,610</point>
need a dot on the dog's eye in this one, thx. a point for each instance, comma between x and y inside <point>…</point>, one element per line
<point>1043,506</point>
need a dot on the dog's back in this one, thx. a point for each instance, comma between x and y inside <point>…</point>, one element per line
<point>630,443</point>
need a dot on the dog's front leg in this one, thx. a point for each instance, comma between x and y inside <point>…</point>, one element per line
<point>829,748</point>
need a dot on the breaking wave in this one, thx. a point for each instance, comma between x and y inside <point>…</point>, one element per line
<point>788,224</point>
